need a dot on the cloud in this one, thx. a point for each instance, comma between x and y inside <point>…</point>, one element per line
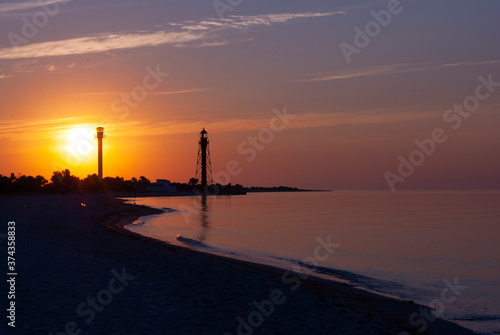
<point>244,22</point>
<point>202,31</point>
<point>116,94</point>
<point>222,42</point>
<point>33,65</point>
<point>23,66</point>
<point>371,71</point>
<point>306,120</point>
<point>15,6</point>
<point>53,129</point>
<point>392,69</point>
<point>37,129</point>
<point>192,90</point>
<point>97,43</point>
<point>488,62</point>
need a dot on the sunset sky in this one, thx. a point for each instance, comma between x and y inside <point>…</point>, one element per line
<point>75,65</point>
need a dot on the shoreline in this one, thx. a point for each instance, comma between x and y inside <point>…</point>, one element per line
<point>72,248</point>
<point>193,194</point>
<point>117,223</point>
<point>323,286</point>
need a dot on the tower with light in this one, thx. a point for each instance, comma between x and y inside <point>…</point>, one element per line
<point>100,136</point>
<point>204,164</point>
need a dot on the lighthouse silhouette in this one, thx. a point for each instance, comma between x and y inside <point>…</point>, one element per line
<point>100,136</point>
<point>204,164</point>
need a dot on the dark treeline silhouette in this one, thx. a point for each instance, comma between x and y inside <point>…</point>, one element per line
<point>192,187</point>
<point>21,184</point>
<point>64,182</point>
<point>256,189</point>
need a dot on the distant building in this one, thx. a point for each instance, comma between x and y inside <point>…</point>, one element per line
<point>161,185</point>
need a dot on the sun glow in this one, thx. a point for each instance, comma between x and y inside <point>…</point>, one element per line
<point>70,146</point>
<point>80,140</point>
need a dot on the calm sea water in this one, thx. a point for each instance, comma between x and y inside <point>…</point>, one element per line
<point>404,243</point>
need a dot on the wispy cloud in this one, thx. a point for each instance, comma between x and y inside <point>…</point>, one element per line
<point>245,22</point>
<point>192,90</point>
<point>392,69</point>
<point>488,62</point>
<point>222,42</point>
<point>98,43</point>
<point>23,5</point>
<point>306,120</point>
<point>205,32</point>
<point>370,71</point>
<point>22,67</point>
<point>53,129</point>
<point>117,94</point>
<point>38,129</point>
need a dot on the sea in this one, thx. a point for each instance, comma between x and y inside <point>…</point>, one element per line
<point>437,248</point>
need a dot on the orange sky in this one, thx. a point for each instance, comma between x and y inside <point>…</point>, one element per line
<point>351,120</point>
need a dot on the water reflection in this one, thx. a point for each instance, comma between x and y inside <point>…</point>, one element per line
<point>203,219</point>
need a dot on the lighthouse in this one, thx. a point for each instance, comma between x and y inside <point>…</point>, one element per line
<point>204,164</point>
<point>100,136</point>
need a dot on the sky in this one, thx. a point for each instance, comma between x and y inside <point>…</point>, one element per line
<point>390,95</point>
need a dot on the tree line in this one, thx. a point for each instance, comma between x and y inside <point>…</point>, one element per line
<point>65,182</point>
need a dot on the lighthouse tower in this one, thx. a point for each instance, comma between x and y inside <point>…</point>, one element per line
<point>204,164</point>
<point>100,136</point>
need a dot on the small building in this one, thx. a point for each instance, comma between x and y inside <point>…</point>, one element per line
<point>161,185</point>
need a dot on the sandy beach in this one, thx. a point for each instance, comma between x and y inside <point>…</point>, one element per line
<point>81,272</point>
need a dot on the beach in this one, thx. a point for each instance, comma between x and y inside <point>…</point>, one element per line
<point>79,271</point>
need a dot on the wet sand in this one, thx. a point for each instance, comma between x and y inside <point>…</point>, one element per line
<point>79,269</point>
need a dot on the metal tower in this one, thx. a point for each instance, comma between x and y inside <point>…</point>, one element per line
<point>100,136</point>
<point>204,164</point>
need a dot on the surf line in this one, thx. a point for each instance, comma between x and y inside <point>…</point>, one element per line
<point>265,308</point>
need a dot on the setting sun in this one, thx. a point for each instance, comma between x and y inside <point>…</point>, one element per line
<point>242,167</point>
<point>75,148</point>
<point>80,140</point>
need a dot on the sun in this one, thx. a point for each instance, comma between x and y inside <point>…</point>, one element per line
<point>75,148</point>
<point>80,140</point>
